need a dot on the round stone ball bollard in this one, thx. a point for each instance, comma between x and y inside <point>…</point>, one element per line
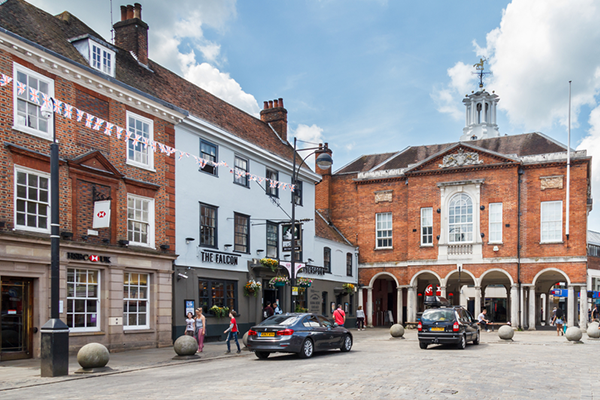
<point>593,331</point>
<point>574,334</point>
<point>397,330</point>
<point>93,355</point>
<point>245,339</point>
<point>185,346</point>
<point>506,332</point>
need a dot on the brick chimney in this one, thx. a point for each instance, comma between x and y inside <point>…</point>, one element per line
<point>323,190</point>
<point>131,33</point>
<point>273,113</point>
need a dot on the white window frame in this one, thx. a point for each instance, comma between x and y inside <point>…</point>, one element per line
<point>104,51</point>
<point>18,169</point>
<point>23,127</point>
<point>86,299</point>
<point>131,161</point>
<point>495,235</point>
<point>462,224</point>
<point>426,224</point>
<point>547,219</point>
<point>387,229</point>
<point>128,298</point>
<point>150,222</point>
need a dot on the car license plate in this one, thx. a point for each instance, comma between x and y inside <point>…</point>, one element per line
<point>437,329</point>
<point>266,334</point>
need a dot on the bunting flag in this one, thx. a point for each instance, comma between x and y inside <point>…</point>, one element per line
<point>5,80</point>
<point>128,135</point>
<point>57,106</point>
<point>108,129</point>
<point>120,132</point>
<point>33,95</point>
<point>89,119</point>
<point>47,100</point>
<point>136,139</point>
<point>68,111</point>
<point>152,145</point>
<point>80,114</point>
<point>98,124</point>
<point>292,188</point>
<point>21,87</point>
<point>201,162</point>
<point>272,183</point>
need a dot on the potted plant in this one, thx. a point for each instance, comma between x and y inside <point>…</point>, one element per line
<point>303,282</point>
<point>279,281</point>
<point>348,287</point>
<point>219,311</point>
<point>269,263</point>
<point>301,309</point>
<point>251,288</point>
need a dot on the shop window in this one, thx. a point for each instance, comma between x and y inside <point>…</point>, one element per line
<point>135,301</point>
<point>32,208</point>
<point>83,300</point>
<point>220,293</point>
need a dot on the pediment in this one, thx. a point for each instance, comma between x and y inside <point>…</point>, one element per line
<point>462,155</point>
<point>95,162</point>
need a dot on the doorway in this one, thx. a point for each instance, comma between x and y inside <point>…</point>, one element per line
<point>16,315</point>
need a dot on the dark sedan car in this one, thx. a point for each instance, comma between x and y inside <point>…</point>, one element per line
<point>299,333</point>
<point>447,325</point>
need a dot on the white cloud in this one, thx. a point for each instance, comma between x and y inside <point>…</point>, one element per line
<point>591,143</point>
<point>447,99</point>
<point>313,135</point>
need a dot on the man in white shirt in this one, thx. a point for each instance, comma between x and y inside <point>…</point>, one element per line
<point>482,321</point>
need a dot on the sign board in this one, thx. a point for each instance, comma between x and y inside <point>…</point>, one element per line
<point>294,290</point>
<point>288,266</point>
<point>101,214</point>
<point>560,292</point>
<point>286,232</point>
<point>190,307</point>
<point>219,258</point>
<point>429,290</point>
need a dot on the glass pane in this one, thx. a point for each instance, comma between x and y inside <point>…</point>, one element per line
<point>70,290</point>
<point>133,292</point>
<point>143,292</point>
<point>79,305</point>
<point>92,306</point>
<point>93,276</point>
<point>132,307</point>
<point>142,319</point>
<point>91,320</point>
<point>69,306</point>
<point>144,279</point>
<point>93,291</point>
<point>79,320</point>
<point>142,305</point>
<point>132,320</point>
<point>80,291</point>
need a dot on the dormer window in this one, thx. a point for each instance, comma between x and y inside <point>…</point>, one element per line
<point>100,55</point>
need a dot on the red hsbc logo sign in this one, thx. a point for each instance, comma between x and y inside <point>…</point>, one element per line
<point>88,257</point>
<point>429,290</point>
<point>101,214</point>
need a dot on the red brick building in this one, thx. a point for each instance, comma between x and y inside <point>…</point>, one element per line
<point>493,207</point>
<point>115,276</point>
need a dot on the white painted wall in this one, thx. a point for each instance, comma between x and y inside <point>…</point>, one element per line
<point>338,261</point>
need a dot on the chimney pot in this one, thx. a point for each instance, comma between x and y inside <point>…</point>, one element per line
<point>270,103</point>
<point>265,105</point>
<point>276,103</point>
<point>123,13</point>
<point>137,10</point>
<point>129,11</point>
<point>280,102</point>
<point>276,116</point>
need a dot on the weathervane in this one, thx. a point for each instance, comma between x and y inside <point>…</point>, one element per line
<point>479,67</point>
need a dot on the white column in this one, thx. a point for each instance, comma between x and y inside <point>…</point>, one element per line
<point>522,308</point>
<point>443,291</point>
<point>514,306</point>
<point>360,297</point>
<point>571,307</point>
<point>399,304</point>
<point>370,307</point>
<point>477,301</point>
<point>531,313</point>
<point>583,307</point>
<point>549,308</point>
<point>473,112</point>
<point>467,116</point>
<point>411,306</point>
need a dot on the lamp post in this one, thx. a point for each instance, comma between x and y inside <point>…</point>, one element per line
<point>55,333</point>
<point>324,161</point>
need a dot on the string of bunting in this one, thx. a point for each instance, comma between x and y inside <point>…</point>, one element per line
<point>91,121</point>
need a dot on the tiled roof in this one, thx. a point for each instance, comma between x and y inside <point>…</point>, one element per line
<point>594,238</point>
<point>521,145</point>
<point>325,230</point>
<point>54,32</point>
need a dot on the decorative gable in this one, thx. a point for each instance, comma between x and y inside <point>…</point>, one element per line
<point>95,162</point>
<point>460,159</point>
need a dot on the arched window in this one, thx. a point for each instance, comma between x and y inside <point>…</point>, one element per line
<point>460,219</point>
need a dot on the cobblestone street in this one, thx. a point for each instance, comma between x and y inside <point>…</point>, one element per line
<point>536,365</point>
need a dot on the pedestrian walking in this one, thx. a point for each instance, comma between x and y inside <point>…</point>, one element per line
<point>189,324</point>
<point>553,316</point>
<point>558,320</point>
<point>276,309</point>
<point>339,316</point>
<point>268,310</point>
<point>232,333</point>
<point>360,318</point>
<point>200,329</point>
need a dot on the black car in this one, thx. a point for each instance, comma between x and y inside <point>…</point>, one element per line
<point>299,333</point>
<point>446,324</point>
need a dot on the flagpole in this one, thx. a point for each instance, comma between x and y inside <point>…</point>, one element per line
<point>569,164</point>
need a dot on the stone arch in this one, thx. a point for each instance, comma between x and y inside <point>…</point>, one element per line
<point>499,270</point>
<point>426,271</point>
<point>464,271</point>
<point>379,275</point>
<point>555,273</point>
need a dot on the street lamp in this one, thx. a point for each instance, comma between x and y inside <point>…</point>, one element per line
<point>324,161</point>
<point>55,333</point>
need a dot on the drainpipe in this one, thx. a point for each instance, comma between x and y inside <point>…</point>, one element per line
<point>520,173</point>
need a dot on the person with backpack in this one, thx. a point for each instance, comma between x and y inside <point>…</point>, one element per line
<point>268,310</point>
<point>339,316</point>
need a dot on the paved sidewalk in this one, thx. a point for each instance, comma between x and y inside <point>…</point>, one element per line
<point>26,373</point>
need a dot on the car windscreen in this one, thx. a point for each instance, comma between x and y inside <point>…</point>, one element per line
<point>285,320</point>
<point>438,315</point>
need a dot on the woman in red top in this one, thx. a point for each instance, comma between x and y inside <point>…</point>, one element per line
<point>233,332</point>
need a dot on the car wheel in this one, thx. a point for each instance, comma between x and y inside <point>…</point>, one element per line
<point>477,338</point>
<point>347,344</point>
<point>262,355</point>
<point>307,349</point>
<point>463,342</point>
<point>423,345</point>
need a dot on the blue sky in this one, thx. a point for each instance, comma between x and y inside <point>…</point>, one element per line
<point>372,76</point>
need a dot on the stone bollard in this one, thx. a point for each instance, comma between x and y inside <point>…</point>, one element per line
<point>592,331</point>
<point>574,334</point>
<point>397,331</point>
<point>186,347</point>
<point>506,332</point>
<point>245,339</point>
<point>93,357</point>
